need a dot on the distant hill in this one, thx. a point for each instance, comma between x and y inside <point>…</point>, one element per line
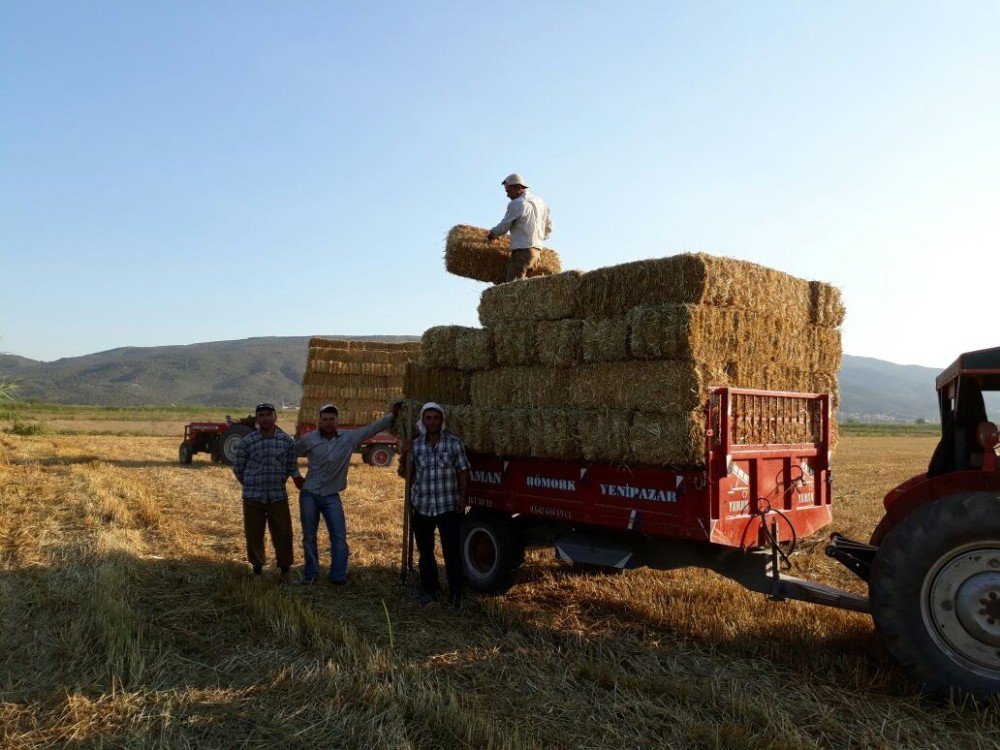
<point>219,373</point>
<point>872,390</point>
<point>235,373</point>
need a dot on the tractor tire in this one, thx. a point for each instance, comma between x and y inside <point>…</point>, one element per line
<point>185,452</point>
<point>935,594</point>
<point>230,440</point>
<point>379,455</point>
<point>492,550</point>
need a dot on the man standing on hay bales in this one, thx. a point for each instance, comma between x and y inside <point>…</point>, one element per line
<point>437,497</point>
<point>264,460</point>
<point>328,452</point>
<point>529,222</point>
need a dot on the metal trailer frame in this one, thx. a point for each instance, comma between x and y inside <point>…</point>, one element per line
<point>736,514</point>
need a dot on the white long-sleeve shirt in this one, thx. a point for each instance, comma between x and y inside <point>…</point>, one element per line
<point>528,220</point>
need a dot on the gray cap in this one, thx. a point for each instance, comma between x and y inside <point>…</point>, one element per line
<point>514,179</point>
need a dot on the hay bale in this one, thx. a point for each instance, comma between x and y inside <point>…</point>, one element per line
<point>438,345</point>
<point>605,340</point>
<point>555,433</point>
<point>442,385</point>
<point>386,346</point>
<point>676,439</point>
<point>827,304</point>
<point>508,387</point>
<point>474,349</point>
<point>474,427</point>
<point>514,343</point>
<point>604,435</point>
<point>559,342</point>
<point>468,253</point>
<point>322,343</point>
<point>717,334</point>
<point>652,386</point>
<point>510,430</point>
<point>546,298</point>
<point>696,278</point>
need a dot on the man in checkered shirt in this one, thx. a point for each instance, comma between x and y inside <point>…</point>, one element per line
<point>438,494</point>
<point>265,459</point>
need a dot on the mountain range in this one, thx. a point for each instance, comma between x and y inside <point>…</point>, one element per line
<point>238,373</point>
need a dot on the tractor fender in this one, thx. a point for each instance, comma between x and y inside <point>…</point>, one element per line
<point>920,490</point>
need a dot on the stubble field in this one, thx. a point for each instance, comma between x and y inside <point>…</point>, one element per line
<point>129,620</point>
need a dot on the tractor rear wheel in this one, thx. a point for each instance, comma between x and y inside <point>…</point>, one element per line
<point>935,594</point>
<point>492,550</point>
<point>229,441</point>
<point>379,455</point>
<point>186,452</point>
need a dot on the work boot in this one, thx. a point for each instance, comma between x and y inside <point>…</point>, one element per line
<point>285,578</point>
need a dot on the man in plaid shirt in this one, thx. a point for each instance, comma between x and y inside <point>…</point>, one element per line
<point>264,460</point>
<point>438,493</point>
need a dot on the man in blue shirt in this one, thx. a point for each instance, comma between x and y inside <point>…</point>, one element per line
<point>328,451</point>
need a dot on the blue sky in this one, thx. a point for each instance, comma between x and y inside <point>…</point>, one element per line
<point>182,172</point>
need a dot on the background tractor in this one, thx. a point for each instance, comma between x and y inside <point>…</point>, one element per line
<point>219,439</point>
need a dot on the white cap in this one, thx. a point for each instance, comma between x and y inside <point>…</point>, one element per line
<point>514,179</point>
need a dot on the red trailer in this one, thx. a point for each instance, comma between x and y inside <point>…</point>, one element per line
<point>932,567</point>
<point>378,450</point>
<point>732,514</point>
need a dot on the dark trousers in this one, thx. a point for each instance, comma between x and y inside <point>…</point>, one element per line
<point>521,262</point>
<point>275,516</point>
<point>449,524</point>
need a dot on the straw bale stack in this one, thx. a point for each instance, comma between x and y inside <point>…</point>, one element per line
<point>615,365</point>
<point>544,298</point>
<point>361,377</point>
<point>701,279</point>
<point>468,253</point>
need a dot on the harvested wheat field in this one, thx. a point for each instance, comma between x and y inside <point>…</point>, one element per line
<point>129,620</point>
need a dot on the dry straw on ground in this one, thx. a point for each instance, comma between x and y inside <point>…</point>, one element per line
<point>130,620</point>
<point>468,253</point>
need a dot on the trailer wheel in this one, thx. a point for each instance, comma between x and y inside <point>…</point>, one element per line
<point>379,455</point>
<point>491,551</point>
<point>229,441</point>
<point>935,594</point>
<point>186,452</point>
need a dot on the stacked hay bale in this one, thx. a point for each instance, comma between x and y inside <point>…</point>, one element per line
<point>614,365</point>
<point>468,253</point>
<point>360,377</point>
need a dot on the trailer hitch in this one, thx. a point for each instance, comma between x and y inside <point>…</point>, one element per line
<point>855,556</point>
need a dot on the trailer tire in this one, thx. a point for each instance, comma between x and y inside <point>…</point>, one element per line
<point>492,549</point>
<point>185,452</point>
<point>229,441</point>
<point>935,594</point>
<point>379,455</point>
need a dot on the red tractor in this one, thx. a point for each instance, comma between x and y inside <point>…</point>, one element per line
<point>219,439</point>
<point>932,565</point>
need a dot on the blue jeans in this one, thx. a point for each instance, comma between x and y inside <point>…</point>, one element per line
<point>311,506</point>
